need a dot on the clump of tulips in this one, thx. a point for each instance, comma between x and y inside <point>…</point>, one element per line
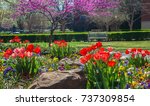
<point>105,68</point>
<point>17,39</point>
<point>60,49</point>
<point>24,60</point>
<point>138,56</point>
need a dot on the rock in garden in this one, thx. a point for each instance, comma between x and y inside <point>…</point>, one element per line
<point>73,79</point>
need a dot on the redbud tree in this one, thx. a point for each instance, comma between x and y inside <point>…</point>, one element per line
<point>57,10</point>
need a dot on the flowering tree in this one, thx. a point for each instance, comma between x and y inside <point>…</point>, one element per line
<point>58,10</point>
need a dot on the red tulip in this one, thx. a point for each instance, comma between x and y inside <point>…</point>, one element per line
<point>101,49</point>
<point>30,47</point>
<point>94,47</point>
<point>117,55</point>
<point>26,41</point>
<point>133,50</point>
<point>133,55</point>
<point>101,55</point>
<point>16,39</point>
<point>143,54</point>
<point>21,55</point>
<point>139,50</point>
<point>110,49</point>
<point>99,44</point>
<point>83,60</point>
<point>37,50</point>
<point>127,51</point>
<point>6,55</point>
<point>83,51</point>
<point>9,51</point>
<point>56,42</point>
<point>111,63</point>
<point>146,51</point>
<point>88,56</point>
<point>105,56</point>
<point>61,43</point>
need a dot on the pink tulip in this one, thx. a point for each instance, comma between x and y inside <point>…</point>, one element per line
<point>14,55</point>
<point>17,51</point>
<point>110,49</point>
<point>11,41</point>
<point>22,50</point>
<point>28,54</point>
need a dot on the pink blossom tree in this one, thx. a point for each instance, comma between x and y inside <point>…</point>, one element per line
<point>58,10</point>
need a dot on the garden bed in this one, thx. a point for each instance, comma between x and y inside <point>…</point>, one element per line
<point>25,65</point>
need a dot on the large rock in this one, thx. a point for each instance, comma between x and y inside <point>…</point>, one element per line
<point>73,79</point>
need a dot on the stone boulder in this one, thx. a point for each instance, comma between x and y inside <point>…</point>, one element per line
<point>72,79</point>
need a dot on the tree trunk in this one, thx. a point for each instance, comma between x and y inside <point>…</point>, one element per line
<point>131,22</point>
<point>52,29</point>
<point>51,36</point>
<point>131,26</point>
<point>107,27</point>
<point>63,27</point>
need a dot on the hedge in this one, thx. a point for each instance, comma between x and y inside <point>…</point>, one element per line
<point>113,36</point>
<point>45,37</point>
<point>129,35</point>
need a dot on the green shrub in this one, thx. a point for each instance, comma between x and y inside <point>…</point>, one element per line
<point>129,35</point>
<point>80,36</point>
<point>45,37</point>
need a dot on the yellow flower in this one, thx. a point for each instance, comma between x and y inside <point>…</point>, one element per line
<point>123,62</point>
<point>121,68</point>
<point>140,72</point>
<point>141,78</point>
<point>50,69</point>
<point>2,68</point>
<point>134,84</point>
<point>131,65</point>
<point>1,54</point>
<point>55,59</point>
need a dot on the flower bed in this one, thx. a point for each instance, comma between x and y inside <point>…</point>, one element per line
<point>108,69</point>
<point>104,68</point>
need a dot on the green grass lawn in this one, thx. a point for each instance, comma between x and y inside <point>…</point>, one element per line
<point>119,45</point>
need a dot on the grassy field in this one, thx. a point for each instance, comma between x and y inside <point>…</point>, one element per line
<point>118,45</point>
<point>122,45</point>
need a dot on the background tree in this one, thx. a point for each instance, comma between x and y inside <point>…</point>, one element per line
<point>132,10</point>
<point>57,10</point>
<point>6,9</point>
<point>109,21</point>
<point>35,22</point>
<point>7,23</point>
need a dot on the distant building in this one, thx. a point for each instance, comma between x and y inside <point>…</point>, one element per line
<point>145,19</point>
